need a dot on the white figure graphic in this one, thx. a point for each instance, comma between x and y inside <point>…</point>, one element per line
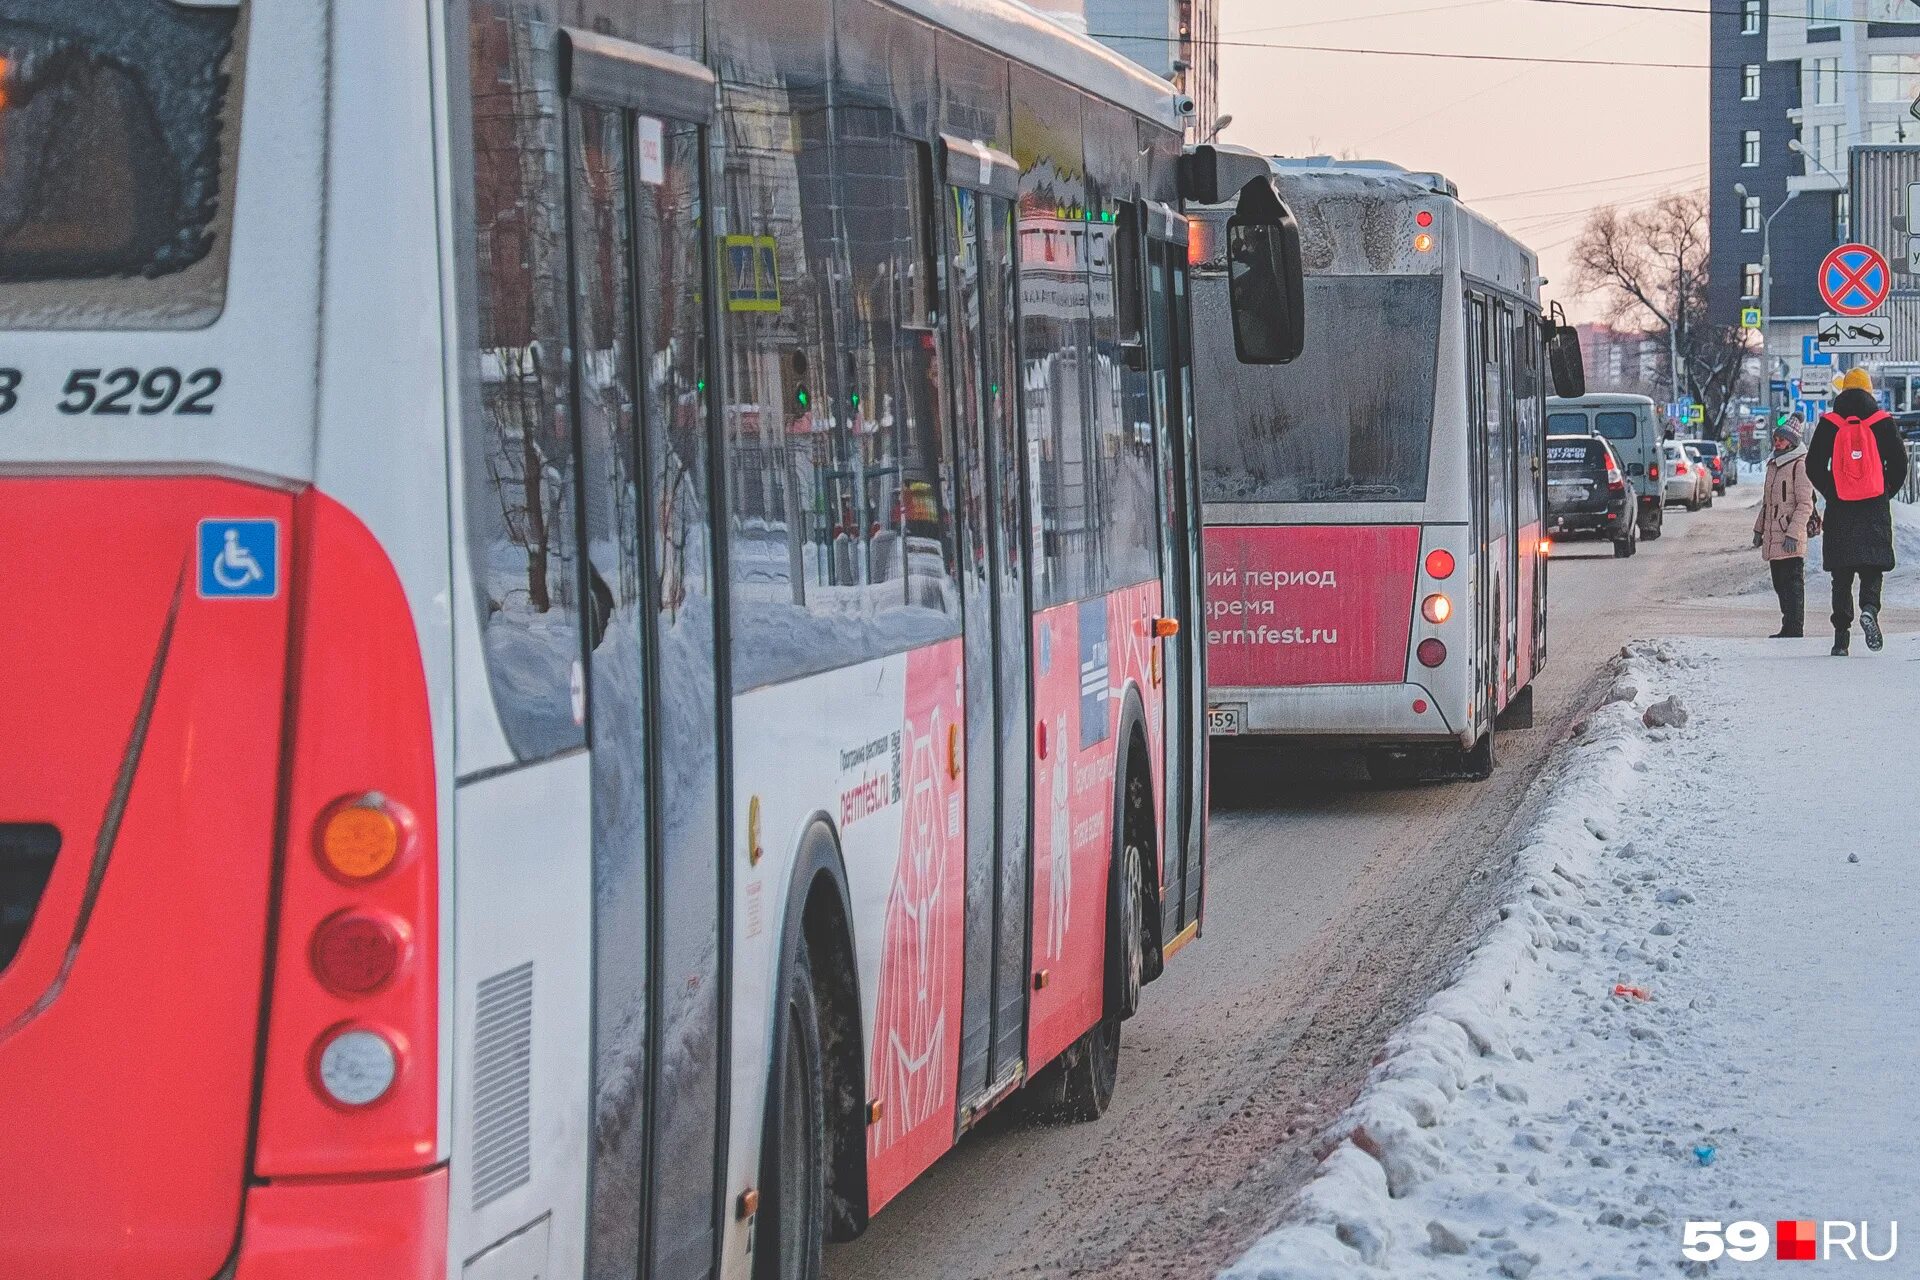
<point>235,566</point>
<point>1060,900</point>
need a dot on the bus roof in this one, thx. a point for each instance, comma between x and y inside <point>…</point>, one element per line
<point>1603,400</point>
<point>1486,251</point>
<point>1029,36</point>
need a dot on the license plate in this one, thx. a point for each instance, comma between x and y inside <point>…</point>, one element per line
<point>1230,717</point>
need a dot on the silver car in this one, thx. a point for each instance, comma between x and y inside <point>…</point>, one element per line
<point>1685,479</point>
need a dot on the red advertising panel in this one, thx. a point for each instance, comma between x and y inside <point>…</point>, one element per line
<point>1309,604</point>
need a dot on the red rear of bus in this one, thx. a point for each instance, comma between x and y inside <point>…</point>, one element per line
<point>218,849</point>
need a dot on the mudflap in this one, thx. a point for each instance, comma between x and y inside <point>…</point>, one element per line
<point>1519,712</point>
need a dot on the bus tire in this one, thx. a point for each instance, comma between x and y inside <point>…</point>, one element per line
<point>1078,1086</point>
<point>1479,760</point>
<point>791,1234</point>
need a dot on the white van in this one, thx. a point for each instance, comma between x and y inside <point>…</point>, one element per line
<point>1631,426</point>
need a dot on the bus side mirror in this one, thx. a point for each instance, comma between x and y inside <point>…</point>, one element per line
<point>1563,357</point>
<point>1266,278</point>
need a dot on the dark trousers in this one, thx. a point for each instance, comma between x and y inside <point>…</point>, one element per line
<point>1843,594</point>
<point>1790,584</point>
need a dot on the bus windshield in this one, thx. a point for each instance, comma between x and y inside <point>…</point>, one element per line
<point>115,146</point>
<point>1349,421</point>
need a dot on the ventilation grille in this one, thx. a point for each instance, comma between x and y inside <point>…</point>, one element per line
<point>503,1085</point>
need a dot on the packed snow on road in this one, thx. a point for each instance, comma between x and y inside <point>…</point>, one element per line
<point>1697,1005</point>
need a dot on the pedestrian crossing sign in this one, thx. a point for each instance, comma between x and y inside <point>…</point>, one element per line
<point>1750,318</point>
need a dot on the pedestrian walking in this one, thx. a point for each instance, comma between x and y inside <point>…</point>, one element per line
<point>1857,460</point>
<point>1785,524</point>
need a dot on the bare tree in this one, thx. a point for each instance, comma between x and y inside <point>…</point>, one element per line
<point>1650,268</point>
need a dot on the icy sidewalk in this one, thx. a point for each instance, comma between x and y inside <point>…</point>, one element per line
<point>1534,1121</point>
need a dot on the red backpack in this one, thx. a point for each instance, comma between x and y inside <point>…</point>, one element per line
<point>1857,473</point>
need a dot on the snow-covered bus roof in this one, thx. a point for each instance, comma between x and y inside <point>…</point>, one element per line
<point>1031,37</point>
<point>1336,201</point>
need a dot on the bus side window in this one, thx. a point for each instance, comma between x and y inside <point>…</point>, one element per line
<point>841,521</point>
<point>518,436</point>
<point>1125,497</point>
<point>1055,326</point>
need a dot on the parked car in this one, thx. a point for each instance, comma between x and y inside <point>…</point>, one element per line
<point>1632,431</point>
<point>1588,495</point>
<point>1702,474</point>
<point>1681,481</point>
<point>1719,462</point>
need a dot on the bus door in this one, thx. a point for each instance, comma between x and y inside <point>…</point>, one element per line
<point>1509,464</point>
<point>1181,655</point>
<point>1485,483</point>
<point>636,147</point>
<point>991,497</point>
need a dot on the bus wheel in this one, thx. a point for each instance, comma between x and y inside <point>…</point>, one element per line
<point>792,1221</point>
<point>1078,1086</point>
<point>1478,760</point>
<point>1129,891</point>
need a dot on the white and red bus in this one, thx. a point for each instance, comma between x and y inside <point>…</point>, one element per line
<point>1375,571</point>
<point>600,599</point>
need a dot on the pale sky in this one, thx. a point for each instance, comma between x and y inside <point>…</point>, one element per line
<point>1496,129</point>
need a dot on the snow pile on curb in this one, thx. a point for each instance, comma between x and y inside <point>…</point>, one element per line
<point>1433,1170</point>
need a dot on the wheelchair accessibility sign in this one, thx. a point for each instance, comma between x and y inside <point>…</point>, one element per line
<point>239,559</point>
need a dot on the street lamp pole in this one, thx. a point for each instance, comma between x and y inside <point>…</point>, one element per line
<point>1766,282</point>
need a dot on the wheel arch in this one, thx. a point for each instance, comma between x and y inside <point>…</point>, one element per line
<point>819,915</point>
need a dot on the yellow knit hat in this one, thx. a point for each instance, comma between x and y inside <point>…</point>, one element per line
<point>1856,380</point>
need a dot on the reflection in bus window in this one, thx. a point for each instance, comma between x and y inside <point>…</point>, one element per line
<point>841,521</point>
<point>116,162</point>
<point>1347,422</point>
<point>519,442</point>
<point>1055,331</point>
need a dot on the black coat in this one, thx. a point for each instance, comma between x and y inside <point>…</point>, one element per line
<point>1859,535</point>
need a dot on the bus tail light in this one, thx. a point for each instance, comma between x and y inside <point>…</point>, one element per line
<point>350,1073</point>
<point>1432,653</point>
<point>1436,608</point>
<point>1653,471</point>
<point>1546,546</point>
<point>356,954</point>
<point>1440,564</point>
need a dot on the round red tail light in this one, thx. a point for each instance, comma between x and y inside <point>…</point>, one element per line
<point>1432,653</point>
<point>356,954</point>
<point>1439,563</point>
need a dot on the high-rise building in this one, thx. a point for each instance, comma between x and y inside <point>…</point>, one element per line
<point>1828,75</point>
<point>1177,39</point>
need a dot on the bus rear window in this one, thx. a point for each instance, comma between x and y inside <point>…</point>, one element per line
<point>1617,426</point>
<point>1349,421</point>
<point>1568,424</point>
<point>117,124</point>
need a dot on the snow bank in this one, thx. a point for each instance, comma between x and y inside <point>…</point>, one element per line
<point>1698,1003</point>
<point>1404,1188</point>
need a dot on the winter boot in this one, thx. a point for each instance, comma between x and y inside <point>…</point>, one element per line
<point>1870,627</point>
<point>1842,637</point>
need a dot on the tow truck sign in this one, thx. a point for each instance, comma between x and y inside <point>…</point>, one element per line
<point>1854,334</point>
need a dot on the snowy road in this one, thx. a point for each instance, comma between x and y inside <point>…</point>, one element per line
<point>1335,909</point>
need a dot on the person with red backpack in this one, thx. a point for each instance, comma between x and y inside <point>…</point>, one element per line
<point>1857,461</point>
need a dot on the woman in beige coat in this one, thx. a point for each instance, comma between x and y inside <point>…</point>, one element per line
<point>1786,521</point>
